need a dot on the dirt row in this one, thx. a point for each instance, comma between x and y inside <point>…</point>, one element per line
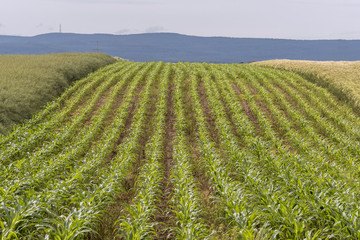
<point>212,213</point>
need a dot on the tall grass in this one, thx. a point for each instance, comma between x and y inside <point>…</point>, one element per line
<point>28,82</point>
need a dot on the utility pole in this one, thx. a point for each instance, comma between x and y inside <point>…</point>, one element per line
<point>97,49</point>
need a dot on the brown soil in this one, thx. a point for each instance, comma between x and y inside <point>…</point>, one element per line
<point>280,107</point>
<point>82,102</point>
<point>210,212</point>
<point>265,110</point>
<point>286,94</point>
<point>108,228</point>
<point>103,99</point>
<point>128,122</point>
<point>247,109</point>
<point>230,118</point>
<point>252,90</point>
<point>164,216</point>
<point>77,109</point>
<point>207,112</point>
<point>228,114</point>
<point>120,97</point>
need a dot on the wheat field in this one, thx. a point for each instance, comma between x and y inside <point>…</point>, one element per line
<point>342,77</point>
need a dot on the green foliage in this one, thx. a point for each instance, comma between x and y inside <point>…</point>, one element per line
<point>29,82</point>
<point>279,157</point>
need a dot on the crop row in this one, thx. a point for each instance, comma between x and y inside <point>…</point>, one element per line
<point>277,156</point>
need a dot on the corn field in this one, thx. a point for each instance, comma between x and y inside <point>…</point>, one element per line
<point>184,151</point>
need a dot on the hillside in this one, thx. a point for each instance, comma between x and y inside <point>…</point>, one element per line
<point>28,83</point>
<point>184,151</point>
<point>170,47</point>
<point>342,78</point>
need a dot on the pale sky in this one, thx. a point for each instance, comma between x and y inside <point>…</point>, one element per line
<point>291,19</point>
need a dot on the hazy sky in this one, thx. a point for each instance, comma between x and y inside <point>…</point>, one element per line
<point>294,19</point>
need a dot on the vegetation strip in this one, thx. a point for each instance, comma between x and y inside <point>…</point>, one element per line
<point>30,81</point>
<point>186,197</point>
<point>184,151</point>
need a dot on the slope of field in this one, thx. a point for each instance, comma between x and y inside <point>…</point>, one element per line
<point>28,82</point>
<point>184,151</point>
<point>342,78</point>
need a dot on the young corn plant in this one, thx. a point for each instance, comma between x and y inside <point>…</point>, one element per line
<point>138,224</point>
<point>109,179</point>
<point>33,162</point>
<point>27,141</point>
<point>185,199</point>
<point>232,198</point>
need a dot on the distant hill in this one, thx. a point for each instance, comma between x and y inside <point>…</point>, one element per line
<point>171,47</point>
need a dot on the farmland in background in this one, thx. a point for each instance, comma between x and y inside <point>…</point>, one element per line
<point>184,151</point>
<point>341,78</point>
<point>28,82</point>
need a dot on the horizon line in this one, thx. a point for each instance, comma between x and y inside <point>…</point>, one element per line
<point>189,35</point>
